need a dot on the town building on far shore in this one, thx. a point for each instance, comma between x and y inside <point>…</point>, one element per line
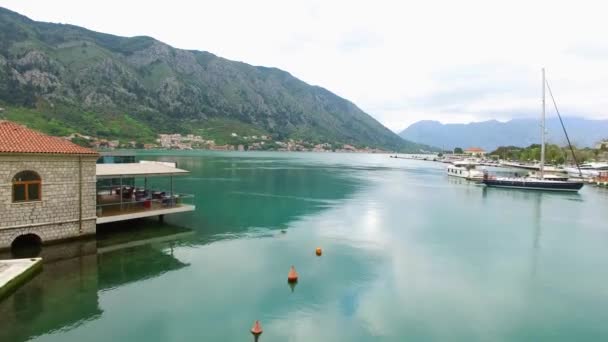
<point>602,145</point>
<point>475,152</point>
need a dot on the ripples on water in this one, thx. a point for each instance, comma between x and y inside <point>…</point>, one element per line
<point>409,254</point>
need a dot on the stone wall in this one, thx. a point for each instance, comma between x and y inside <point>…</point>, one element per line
<point>57,215</point>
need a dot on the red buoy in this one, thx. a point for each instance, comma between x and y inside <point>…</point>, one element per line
<point>292,277</point>
<point>256,330</point>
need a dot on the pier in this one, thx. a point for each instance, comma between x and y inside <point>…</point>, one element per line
<point>15,272</point>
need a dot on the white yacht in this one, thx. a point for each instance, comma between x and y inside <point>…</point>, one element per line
<point>587,170</point>
<point>465,169</point>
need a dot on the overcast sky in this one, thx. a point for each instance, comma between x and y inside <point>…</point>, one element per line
<point>400,61</point>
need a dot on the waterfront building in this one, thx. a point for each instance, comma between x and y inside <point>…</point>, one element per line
<point>52,189</point>
<point>47,187</point>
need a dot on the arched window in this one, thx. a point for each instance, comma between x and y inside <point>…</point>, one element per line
<point>27,187</point>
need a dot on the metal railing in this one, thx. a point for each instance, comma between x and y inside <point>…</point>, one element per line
<point>116,202</point>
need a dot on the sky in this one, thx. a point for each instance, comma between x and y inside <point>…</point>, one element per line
<point>400,61</point>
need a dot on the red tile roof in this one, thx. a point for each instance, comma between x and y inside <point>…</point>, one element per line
<point>15,138</point>
<point>474,149</point>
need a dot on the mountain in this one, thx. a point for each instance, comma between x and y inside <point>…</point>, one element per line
<point>63,78</point>
<point>519,132</point>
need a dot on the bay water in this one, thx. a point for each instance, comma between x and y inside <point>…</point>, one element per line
<point>409,254</point>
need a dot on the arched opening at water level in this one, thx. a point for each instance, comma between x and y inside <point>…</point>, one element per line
<point>26,246</point>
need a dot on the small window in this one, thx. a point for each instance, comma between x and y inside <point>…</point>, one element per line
<point>27,187</point>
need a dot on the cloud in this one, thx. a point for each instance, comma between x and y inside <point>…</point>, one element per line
<point>357,40</point>
<point>588,50</point>
<point>400,61</point>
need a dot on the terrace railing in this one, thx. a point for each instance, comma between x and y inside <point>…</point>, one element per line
<point>112,202</point>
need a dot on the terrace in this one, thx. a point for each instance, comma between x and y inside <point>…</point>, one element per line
<point>125,192</point>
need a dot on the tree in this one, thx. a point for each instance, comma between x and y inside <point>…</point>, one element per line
<point>458,150</point>
<point>81,142</point>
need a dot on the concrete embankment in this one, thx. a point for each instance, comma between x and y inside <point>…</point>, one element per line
<point>16,272</point>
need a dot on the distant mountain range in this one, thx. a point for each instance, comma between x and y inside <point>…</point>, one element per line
<point>63,78</point>
<point>519,132</point>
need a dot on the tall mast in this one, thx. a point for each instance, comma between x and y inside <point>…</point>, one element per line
<point>542,134</point>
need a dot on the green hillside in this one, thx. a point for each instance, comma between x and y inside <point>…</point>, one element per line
<point>63,78</point>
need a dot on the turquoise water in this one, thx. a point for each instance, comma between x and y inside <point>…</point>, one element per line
<point>408,255</point>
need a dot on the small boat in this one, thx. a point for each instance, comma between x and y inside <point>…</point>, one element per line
<point>587,170</point>
<point>465,169</point>
<point>601,179</point>
<point>528,166</point>
<point>540,182</point>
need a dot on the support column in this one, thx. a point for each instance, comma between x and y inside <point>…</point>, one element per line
<point>120,193</point>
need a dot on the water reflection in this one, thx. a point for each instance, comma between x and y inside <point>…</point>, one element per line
<point>248,201</point>
<point>45,305</point>
<point>234,195</point>
<point>407,255</point>
<point>66,293</point>
<point>292,285</point>
<point>537,214</point>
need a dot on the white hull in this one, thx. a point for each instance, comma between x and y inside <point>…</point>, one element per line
<point>587,173</point>
<point>461,172</point>
<point>534,167</point>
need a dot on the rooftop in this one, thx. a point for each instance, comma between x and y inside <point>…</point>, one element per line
<point>137,169</point>
<point>15,138</point>
<point>474,149</point>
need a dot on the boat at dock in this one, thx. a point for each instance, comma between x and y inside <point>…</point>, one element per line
<point>540,181</point>
<point>465,169</point>
<point>587,170</point>
<point>601,179</point>
<point>531,167</point>
<point>556,176</point>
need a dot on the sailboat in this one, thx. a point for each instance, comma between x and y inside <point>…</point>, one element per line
<point>541,182</point>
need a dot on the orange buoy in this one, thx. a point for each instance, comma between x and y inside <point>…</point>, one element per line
<point>256,330</point>
<point>292,276</point>
<point>319,251</point>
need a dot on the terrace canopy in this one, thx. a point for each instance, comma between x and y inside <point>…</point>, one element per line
<point>119,197</point>
<point>149,169</point>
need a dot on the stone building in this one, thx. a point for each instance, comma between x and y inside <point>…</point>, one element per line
<point>47,187</point>
<point>602,145</point>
